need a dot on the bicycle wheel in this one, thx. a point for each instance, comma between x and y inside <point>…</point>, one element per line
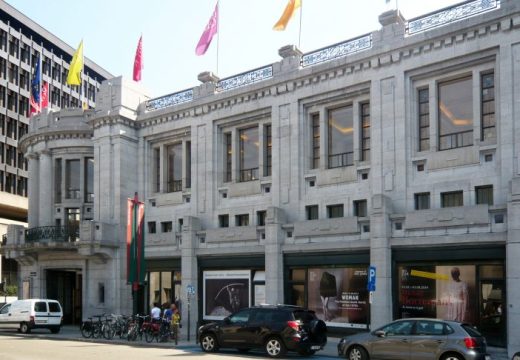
<point>86,329</point>
<point>132,333</point>
<point>149,335</point>
<point>108,331</point>
<point>96,331</point>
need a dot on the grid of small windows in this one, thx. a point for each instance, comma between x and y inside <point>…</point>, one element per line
<point>228,156</point>
<point>488,106</point>
<point>484,194</point>
<point>315,141</point>
<point>424,119</point>
<point>365,132</point>
<point>268,161</point>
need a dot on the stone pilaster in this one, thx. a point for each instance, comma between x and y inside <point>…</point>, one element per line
<point>513,268</point>
<point>190,303</point>
<point>45,197</point>
<point>274,236</point>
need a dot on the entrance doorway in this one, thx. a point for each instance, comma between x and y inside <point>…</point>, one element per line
<point>492,322</point>
<point>65,286</point>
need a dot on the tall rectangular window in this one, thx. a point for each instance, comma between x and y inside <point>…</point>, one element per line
<point>422,201</point>
<point>488,124</point>
<point>188,164</point>
<point>249,154</point>
<point>335,211</point>
<point>315,141</point>
<point>57,180</point>
<point>157,169</point>
<point>424,119</point>
<point>455,114</point>
<point>360,208</point>
<point>341,137</point>
<point>484,194</point>
<point>311,212</point>
<point>268,160</point>
<point>365,132</point>
<point>228,156</point>
<point>73,219</point>
<point>151,227</point>
<point>89,180</point>
<point>452,199</point>
<point>72,171</point>
<point>223,221</point>
<point>260,217</point>
<point>174,167</point>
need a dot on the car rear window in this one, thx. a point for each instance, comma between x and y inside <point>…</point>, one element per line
<point>40,306</point>
<point>471,330</point>
<point>304,316</point>
<point>54,307</point>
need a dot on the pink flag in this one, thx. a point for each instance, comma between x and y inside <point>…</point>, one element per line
<point>210,30</point>
<point>138,61</point>
<point>45,95</point>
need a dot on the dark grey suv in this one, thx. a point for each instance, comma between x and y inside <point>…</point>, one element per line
<point>416,339</point>
<point>276,329</point>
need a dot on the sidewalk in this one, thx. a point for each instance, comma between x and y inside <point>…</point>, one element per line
<point>69,332</point>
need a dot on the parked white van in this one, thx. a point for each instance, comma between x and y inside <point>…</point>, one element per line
<point>29,314</point>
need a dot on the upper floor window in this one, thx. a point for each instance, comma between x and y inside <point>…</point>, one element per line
<point>268,161</point>
<point>365,132</point>
<point>360,208</point>
<point>249,144</point>
<point>228,157</point>
<point>315,141</point>
<point>72,171</point>
<point>452,199</point>
<point>223,221</point>
<point>422,201</point>
<point>166,226</point>
<point>335,211</point>
<point>424,119</point>
<point>260,217</point>
<point>89,180</point>
<point>341,137</point>
<point>311,212</point>
<point>484,194</point>
<point>488,124</point>
<point>151,227</point>
<point>242,220</point>
<point>455,114</point>
<point>174,167</point>
<point>57,180</point>
<point>157,169</point>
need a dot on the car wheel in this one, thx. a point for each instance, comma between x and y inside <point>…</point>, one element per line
<point>274,347</point>
<point>208,343</point>
<point>452,357</point>
<point>24,328</point>
<point>357,353</point>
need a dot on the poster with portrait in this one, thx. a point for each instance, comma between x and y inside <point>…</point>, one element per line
<point>446,292</point>
<point>225,292</point>
<point>339,296</point>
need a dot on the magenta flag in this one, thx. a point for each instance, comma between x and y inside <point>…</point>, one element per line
<point>210,31</point>
<point>138,61</point>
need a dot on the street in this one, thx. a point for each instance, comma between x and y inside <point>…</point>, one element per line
<point>21,347</point>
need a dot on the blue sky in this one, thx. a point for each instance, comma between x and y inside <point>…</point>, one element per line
<point>172,28</point>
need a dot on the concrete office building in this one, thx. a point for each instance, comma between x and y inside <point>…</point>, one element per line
<point>396,149</point>
<point>22,41</point>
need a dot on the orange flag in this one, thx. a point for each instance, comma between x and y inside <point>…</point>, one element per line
<point>288,13</point>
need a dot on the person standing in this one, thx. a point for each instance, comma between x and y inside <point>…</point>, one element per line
<point>155,313</point>
<point>176,322</point>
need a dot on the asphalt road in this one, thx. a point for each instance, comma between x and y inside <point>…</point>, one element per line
<point>14,347</point>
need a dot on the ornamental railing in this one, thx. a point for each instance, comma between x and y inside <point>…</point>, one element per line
<point>341,160</point>
<point>249,174</point>
<point>337,50</point>
<point>52,233</point>
<point>174,185</point>
<point>169,100</point>
<point>456,140</point>
<point>246,78</point>
<point>450,14</point>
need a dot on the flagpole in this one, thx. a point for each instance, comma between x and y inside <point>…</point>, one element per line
<point>81,75</point>
<point>218,30</point>
<point>40,63</point>
<point>300,30</point>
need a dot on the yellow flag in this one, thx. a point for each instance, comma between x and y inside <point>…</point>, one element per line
<point>288,13</point>
<point>76,67</point>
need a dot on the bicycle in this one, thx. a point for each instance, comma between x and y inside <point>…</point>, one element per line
<point>137,326</point>
<point>91,328</point>
<point>158,330</point>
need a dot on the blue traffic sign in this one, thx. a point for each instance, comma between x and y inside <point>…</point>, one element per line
<point>371,280</point>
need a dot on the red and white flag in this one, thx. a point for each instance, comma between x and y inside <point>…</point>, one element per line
<point>138,61</point>
<point>45,95</point>
<point>210,31</point>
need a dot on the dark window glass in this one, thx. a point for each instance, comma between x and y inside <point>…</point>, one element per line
<point>157,170</point>
<point>228,156</point>
<point>484,194</point>
<point>424,119</point>
<point>365,132</point>
<point>452,199</point>
<point>174,167</point>
<point>311,212</point>
<point>360,208</point>
<point>242,220</point>
<point>422,201</point>
<point>249,143</point>
<point>268,151</point>
<point>315,141</point>
<point>260,217</point>
<point>223,221</point>
<point>72,176</point>
<point>89,180</point>
<point>57,180</point>
<point>40,306</point>
<point>188,164</point>
<point>54,307</point>
<point>488,124</point>
<point>341,137</point>
<point>166,226</point>
<point>151,227</point>
<point>424,327</point>
<point>335,211</point>
<point>455,114</point>
<point>398,328</point>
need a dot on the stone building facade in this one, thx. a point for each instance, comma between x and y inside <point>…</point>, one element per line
<point>395,150</point>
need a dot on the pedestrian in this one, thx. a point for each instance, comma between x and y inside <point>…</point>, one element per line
<point>155,312</point>
<point>176,322</point>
